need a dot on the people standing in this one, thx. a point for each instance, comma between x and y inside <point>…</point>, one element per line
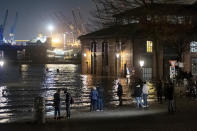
<point>170,95</point>
<point>56,104</point>
<point>58,70</point>
<point>159,91</point>
<point>47,69</point>
<point>185,83</point>
<point>68,102</point>
<point>100,99</point>
<point>166,84</point>
<point>93,98</point>
<point>138,94</point>
<point>120,93</point>
<point>145,94</point>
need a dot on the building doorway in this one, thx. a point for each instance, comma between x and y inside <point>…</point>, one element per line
<point>146,73</point>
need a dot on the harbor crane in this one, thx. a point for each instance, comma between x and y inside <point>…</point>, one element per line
<point>13,29</point>
<point>2,27</point>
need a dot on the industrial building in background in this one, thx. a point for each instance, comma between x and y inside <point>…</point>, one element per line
<point>60,46</point>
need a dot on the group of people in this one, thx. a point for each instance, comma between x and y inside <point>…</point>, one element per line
<point>167,89</point>
<point>141,93</point>
<point>96,99</point>
<point>47,70</point>
<point>190,87</point>
<point>56,103</point>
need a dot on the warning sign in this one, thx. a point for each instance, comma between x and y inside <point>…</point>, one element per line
<point>173,63</point>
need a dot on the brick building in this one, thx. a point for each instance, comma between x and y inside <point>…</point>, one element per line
<point>119,49</point>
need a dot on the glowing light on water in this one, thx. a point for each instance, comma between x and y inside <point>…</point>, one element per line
<point>3,103</point>
<point>1,63</point>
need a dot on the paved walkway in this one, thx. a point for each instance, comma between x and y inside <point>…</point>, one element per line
<point>124,118</point>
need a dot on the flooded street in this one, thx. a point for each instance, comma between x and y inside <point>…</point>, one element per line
<point>20,84</point>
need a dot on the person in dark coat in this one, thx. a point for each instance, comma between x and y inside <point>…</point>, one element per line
<point>100,99</point>
<point>166,84</point>
<point>159,91</point>
<point>93,99</point>
<point>56,104</point>
<point>120,93</point>
<point>58,70</point>
<point>138,93</point>
<point>47,69</point>
<point>68,102</point>
<point>170,96</point>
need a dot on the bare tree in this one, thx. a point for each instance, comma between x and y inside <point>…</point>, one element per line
<point>106,9</point>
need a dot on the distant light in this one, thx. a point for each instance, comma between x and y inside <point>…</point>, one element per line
<point>1,63</point>
<point>117,55</point>
<point>84,54</point>
<point>141,63</point>
<point>55,40</point>
<point>58,51</point>
<point>51,27</point>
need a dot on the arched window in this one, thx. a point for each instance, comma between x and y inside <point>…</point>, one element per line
<point>193,47</point>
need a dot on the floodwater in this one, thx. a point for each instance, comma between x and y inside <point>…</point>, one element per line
<point>20,84</point>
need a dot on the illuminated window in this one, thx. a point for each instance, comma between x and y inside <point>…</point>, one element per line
<point>193,47</point>
<point>149,46</point>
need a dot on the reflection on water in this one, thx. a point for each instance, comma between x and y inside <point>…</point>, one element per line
<point>19,85</point>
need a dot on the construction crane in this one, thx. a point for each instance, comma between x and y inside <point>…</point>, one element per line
<point>13,30</point>
<point>2,27</point>
<point>79,22</point>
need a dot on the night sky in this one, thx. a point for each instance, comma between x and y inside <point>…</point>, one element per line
<point>35,15</point>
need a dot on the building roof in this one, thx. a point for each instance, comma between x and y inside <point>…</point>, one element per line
<point>161,9</point>
<point>141,31</point>
<point>115,31</point>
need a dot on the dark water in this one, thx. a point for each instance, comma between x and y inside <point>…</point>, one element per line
<point>20,84</point>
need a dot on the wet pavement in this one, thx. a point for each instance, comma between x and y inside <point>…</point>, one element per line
<point>124,118</point>
<point>20,84</point>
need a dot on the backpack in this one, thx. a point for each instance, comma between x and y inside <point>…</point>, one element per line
<point>71,100</point>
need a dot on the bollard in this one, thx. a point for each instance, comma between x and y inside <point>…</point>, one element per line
<point>39,110</point>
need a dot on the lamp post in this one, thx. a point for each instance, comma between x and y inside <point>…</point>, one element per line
<point>117,63</point>
<point>64,41</point>
<point>141,62</point>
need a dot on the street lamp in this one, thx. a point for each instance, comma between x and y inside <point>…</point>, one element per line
<point>84,54</point>
<point>141,63</point>
<point>117,55</point>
